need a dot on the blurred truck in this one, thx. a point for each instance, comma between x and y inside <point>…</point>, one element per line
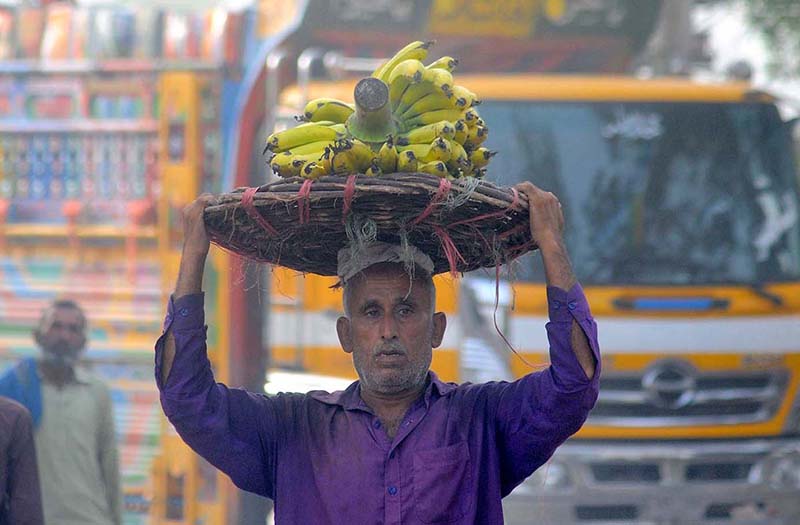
<point>681,204</point>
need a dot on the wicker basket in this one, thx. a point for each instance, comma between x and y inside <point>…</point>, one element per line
<point>463,224</point>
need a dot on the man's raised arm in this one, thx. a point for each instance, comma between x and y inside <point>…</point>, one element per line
<point>547,229</point>
<point>190,274</point>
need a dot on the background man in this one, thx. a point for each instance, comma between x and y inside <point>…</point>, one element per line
<point>75,438</point>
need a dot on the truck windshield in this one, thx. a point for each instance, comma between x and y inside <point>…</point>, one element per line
<point>657,193</point>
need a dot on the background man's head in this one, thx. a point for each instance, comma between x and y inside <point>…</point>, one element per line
<point>61,333</point>
<point>390,327</point>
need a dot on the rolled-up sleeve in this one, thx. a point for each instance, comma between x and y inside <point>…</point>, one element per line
<point>539,411</point>
<point>233,429</point>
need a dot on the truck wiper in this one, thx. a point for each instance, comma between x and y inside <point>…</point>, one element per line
<point>759,290</point>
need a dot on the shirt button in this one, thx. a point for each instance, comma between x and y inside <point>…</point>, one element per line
<point>572,305</point>
<point>377,424</point>
<point>184,312</point>
<point>392,490</point>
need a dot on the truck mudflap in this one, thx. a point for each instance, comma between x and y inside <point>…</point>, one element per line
<point>699,483</point>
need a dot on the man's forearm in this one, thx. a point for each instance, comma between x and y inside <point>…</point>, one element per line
<point>190,281</point>
<point>559,273</point>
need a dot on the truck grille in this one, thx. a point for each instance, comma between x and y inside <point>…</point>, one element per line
<point>672,393</point>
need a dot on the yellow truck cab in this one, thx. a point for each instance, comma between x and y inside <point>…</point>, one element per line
<point>681,205</point>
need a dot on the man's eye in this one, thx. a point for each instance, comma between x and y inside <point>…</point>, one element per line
<point>405,310</point>
<point>371,313</point>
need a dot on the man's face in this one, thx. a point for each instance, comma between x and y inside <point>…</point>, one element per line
<point>390,329</point>
<point>62,334</point>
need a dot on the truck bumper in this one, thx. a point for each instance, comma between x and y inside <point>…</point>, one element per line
<point>753,482</point>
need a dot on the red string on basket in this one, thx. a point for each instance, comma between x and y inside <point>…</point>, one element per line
<point>349,192</point>
<point>441,194</point>
<point>449,248</point>
<point>500,213</point>
<point>303,203</point>
<point>247,204</point>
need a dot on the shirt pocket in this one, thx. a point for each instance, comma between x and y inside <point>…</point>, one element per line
<point>442,481</point>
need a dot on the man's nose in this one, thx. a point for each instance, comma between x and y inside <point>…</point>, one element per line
<point>388,328</point>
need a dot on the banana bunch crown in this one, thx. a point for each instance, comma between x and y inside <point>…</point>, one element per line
<point>422,120</point>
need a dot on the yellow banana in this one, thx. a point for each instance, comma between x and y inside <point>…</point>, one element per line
<point>439,149</point>
<point>426,134</point>
<point>459,158</point>
<point>464,97</point>
<point>471,116</point>
<point>431,102</point>
<point>407,162</point>
<point>436,167</point>
<point>479,173</point>
<point>475,137</point>
<point>327,109</point>
<point>461,131</point>
<point>417,50</point>
<point>312,147</point>
<point>480,157</point>
<point>317,169</point>
<point>431,117</point>
<point>343,162</point>
<point>433,81</point>
<point>304,123</point>
<point>298,136</point>
<point>405,74</point>
<point>387,157</point>
<point>359,154</point>
<point>286,165</point>
<point>374,169</point>
<point>447,63</point>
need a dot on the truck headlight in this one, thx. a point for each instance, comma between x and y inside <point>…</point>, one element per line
<point>784,471</point>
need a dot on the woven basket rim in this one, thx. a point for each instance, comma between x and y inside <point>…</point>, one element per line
<point>301,224</point>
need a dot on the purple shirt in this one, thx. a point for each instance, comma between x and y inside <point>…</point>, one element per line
<point>325,458</point>
<point>20,496</point>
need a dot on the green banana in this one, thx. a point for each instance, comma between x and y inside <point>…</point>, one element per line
<point>426,134</point>
<point>417,50</point>
<point>327,109</point>
<point>298,136</point>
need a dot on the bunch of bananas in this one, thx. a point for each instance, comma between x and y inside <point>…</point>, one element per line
<point>437,128</point>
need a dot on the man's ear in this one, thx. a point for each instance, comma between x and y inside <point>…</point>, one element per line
<point>439,326</point>
<point>345,333</point>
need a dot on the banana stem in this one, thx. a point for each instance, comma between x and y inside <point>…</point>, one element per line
<point>372,121</point>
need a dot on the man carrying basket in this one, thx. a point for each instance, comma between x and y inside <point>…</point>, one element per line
<point>398,445</point>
